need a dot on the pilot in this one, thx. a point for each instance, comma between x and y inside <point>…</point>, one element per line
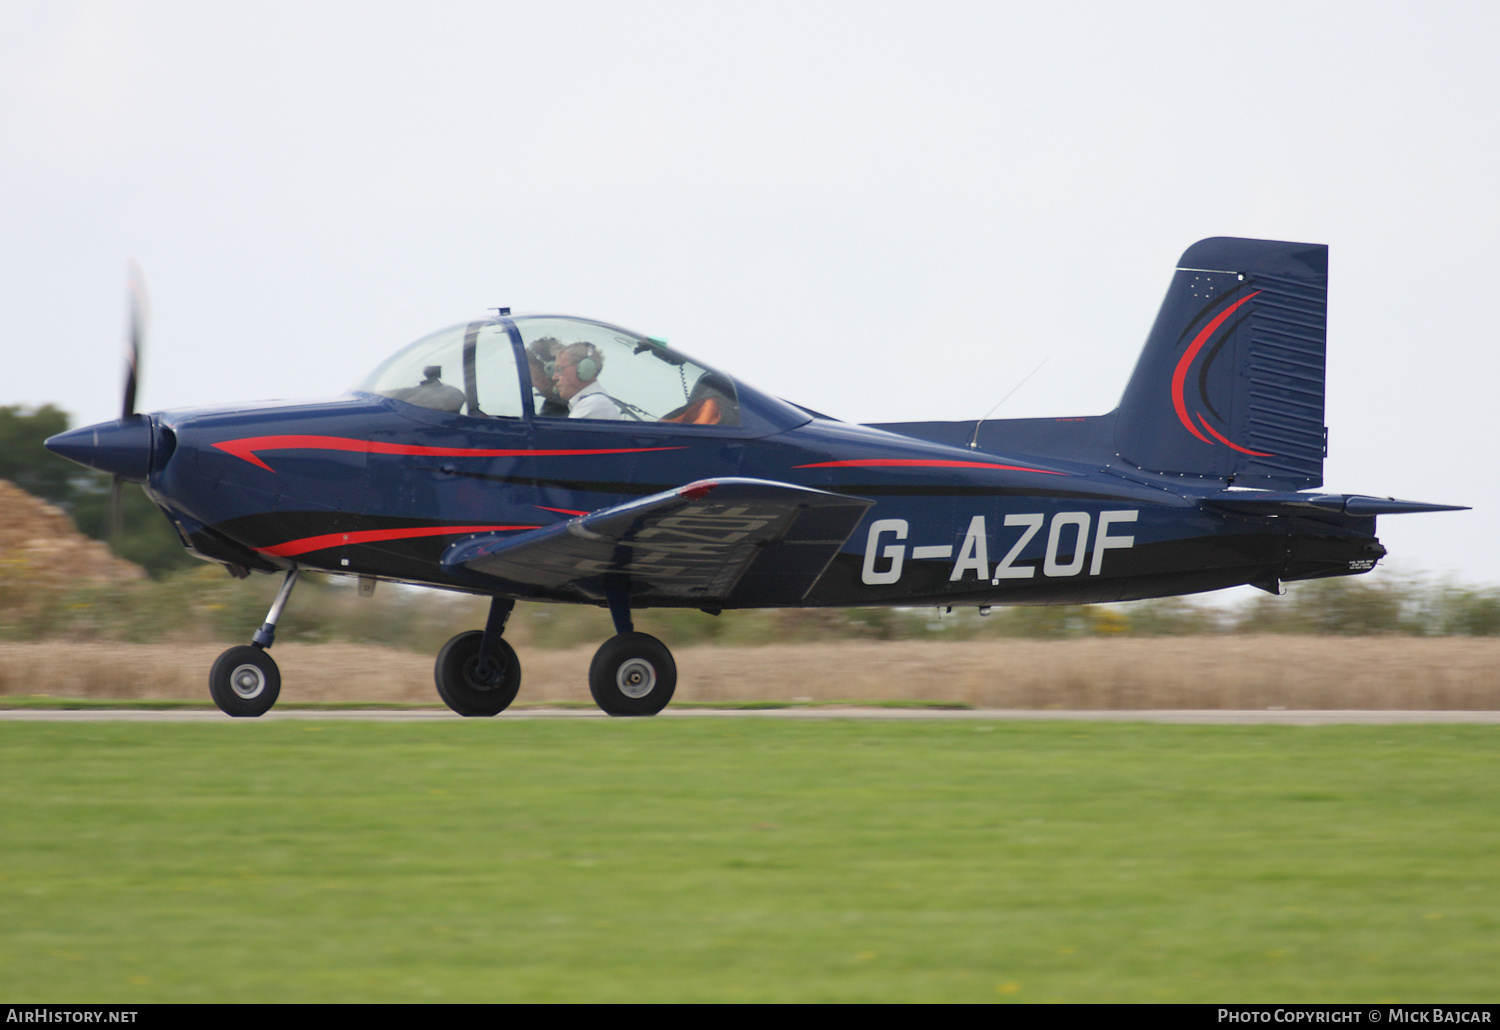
<point>541,354</point>
<point>576,372</point>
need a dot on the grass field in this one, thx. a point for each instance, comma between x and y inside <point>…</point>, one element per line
<point>834,860</point>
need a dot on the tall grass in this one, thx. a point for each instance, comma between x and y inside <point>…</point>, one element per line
<point>202,605</point>
<point>1219,672</point>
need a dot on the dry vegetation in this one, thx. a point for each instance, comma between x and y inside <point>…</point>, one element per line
<point>1167,672</point>
<point>39,541</point>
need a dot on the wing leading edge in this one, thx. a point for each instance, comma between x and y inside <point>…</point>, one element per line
<point>717,543</point>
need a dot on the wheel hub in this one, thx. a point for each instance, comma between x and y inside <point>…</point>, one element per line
<point>482,674</point>
<point>247,681</point>
<point>636,678</point>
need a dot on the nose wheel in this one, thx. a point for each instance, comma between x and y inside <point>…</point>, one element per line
<point>245,682</point>
<point>632,674</point>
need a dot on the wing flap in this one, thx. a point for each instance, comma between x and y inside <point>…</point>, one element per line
<point>716,543</point>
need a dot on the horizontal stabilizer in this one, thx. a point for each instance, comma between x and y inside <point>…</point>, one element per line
<point>716,543</point>
<point>1356,506</point>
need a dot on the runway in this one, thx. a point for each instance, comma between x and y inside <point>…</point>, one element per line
<point>1219,717</point>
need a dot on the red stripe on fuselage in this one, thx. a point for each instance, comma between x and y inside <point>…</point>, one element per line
<point>1179,375</point>
<point>247,447</point>
<point>941,463</point>
<point>370,536</point>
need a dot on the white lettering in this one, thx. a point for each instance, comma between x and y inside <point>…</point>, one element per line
<point>975,554</point>
<point>895,552</point>
<point>932,551</point>
<point>1078,519</point>
<point>1006,569</point>
<point>1103,541</point>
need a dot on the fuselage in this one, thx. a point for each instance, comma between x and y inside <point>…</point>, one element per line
<point>375,487</point>
<point>508,425</point>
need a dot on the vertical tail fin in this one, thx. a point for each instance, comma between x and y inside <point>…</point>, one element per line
<point>1230,384</point>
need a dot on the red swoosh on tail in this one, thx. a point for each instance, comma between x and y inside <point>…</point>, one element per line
<point>1230,443</point>
<point>1179,375</point>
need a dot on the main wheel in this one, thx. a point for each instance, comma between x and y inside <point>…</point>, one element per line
<point>245,682</point>
<point>632,674</point>
<point>460,685</point>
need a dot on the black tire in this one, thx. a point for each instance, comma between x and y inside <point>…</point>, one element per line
<point>632,674</point>
<point>461,690</point>
<point>244,682</point>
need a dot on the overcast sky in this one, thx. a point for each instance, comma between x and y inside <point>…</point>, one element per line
<point>885,211</point>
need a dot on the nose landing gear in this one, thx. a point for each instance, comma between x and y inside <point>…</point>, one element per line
<point>245,681</point>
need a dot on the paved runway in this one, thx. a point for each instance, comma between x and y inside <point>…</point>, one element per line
<point>1213,717</point>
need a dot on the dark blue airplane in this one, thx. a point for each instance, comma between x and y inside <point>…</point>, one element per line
<point>567,460</point>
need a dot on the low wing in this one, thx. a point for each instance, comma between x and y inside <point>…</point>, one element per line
<point>717,543</point>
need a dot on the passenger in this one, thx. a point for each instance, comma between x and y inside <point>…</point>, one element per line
<point>576,372</point>
<point>542,354</point>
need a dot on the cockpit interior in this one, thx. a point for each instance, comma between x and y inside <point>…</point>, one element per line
<point>549,366</point>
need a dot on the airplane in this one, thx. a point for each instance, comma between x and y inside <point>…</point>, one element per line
<point>559,459</point>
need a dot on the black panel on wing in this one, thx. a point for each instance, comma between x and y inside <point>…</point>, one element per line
<point>717,543</point>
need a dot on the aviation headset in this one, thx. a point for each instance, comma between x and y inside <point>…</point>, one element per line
<point>590,365</point>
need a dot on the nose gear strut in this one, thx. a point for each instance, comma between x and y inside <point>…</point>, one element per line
<point>245,681</point>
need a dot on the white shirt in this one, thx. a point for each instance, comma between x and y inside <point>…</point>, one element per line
<point>593,402</point>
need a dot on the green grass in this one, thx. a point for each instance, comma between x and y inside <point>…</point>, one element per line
<point>834,860</point>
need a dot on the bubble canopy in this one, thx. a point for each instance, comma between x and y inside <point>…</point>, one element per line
<point>551,366</point>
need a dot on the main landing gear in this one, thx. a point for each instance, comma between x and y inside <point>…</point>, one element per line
<point>245,681</point>
<point>632,673</point>
<point>478,673</point>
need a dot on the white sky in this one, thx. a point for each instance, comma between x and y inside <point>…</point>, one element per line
<point>885,211</point>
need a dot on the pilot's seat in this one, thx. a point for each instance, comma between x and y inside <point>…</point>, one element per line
<point>711,403</point>
<point>432,392</point>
